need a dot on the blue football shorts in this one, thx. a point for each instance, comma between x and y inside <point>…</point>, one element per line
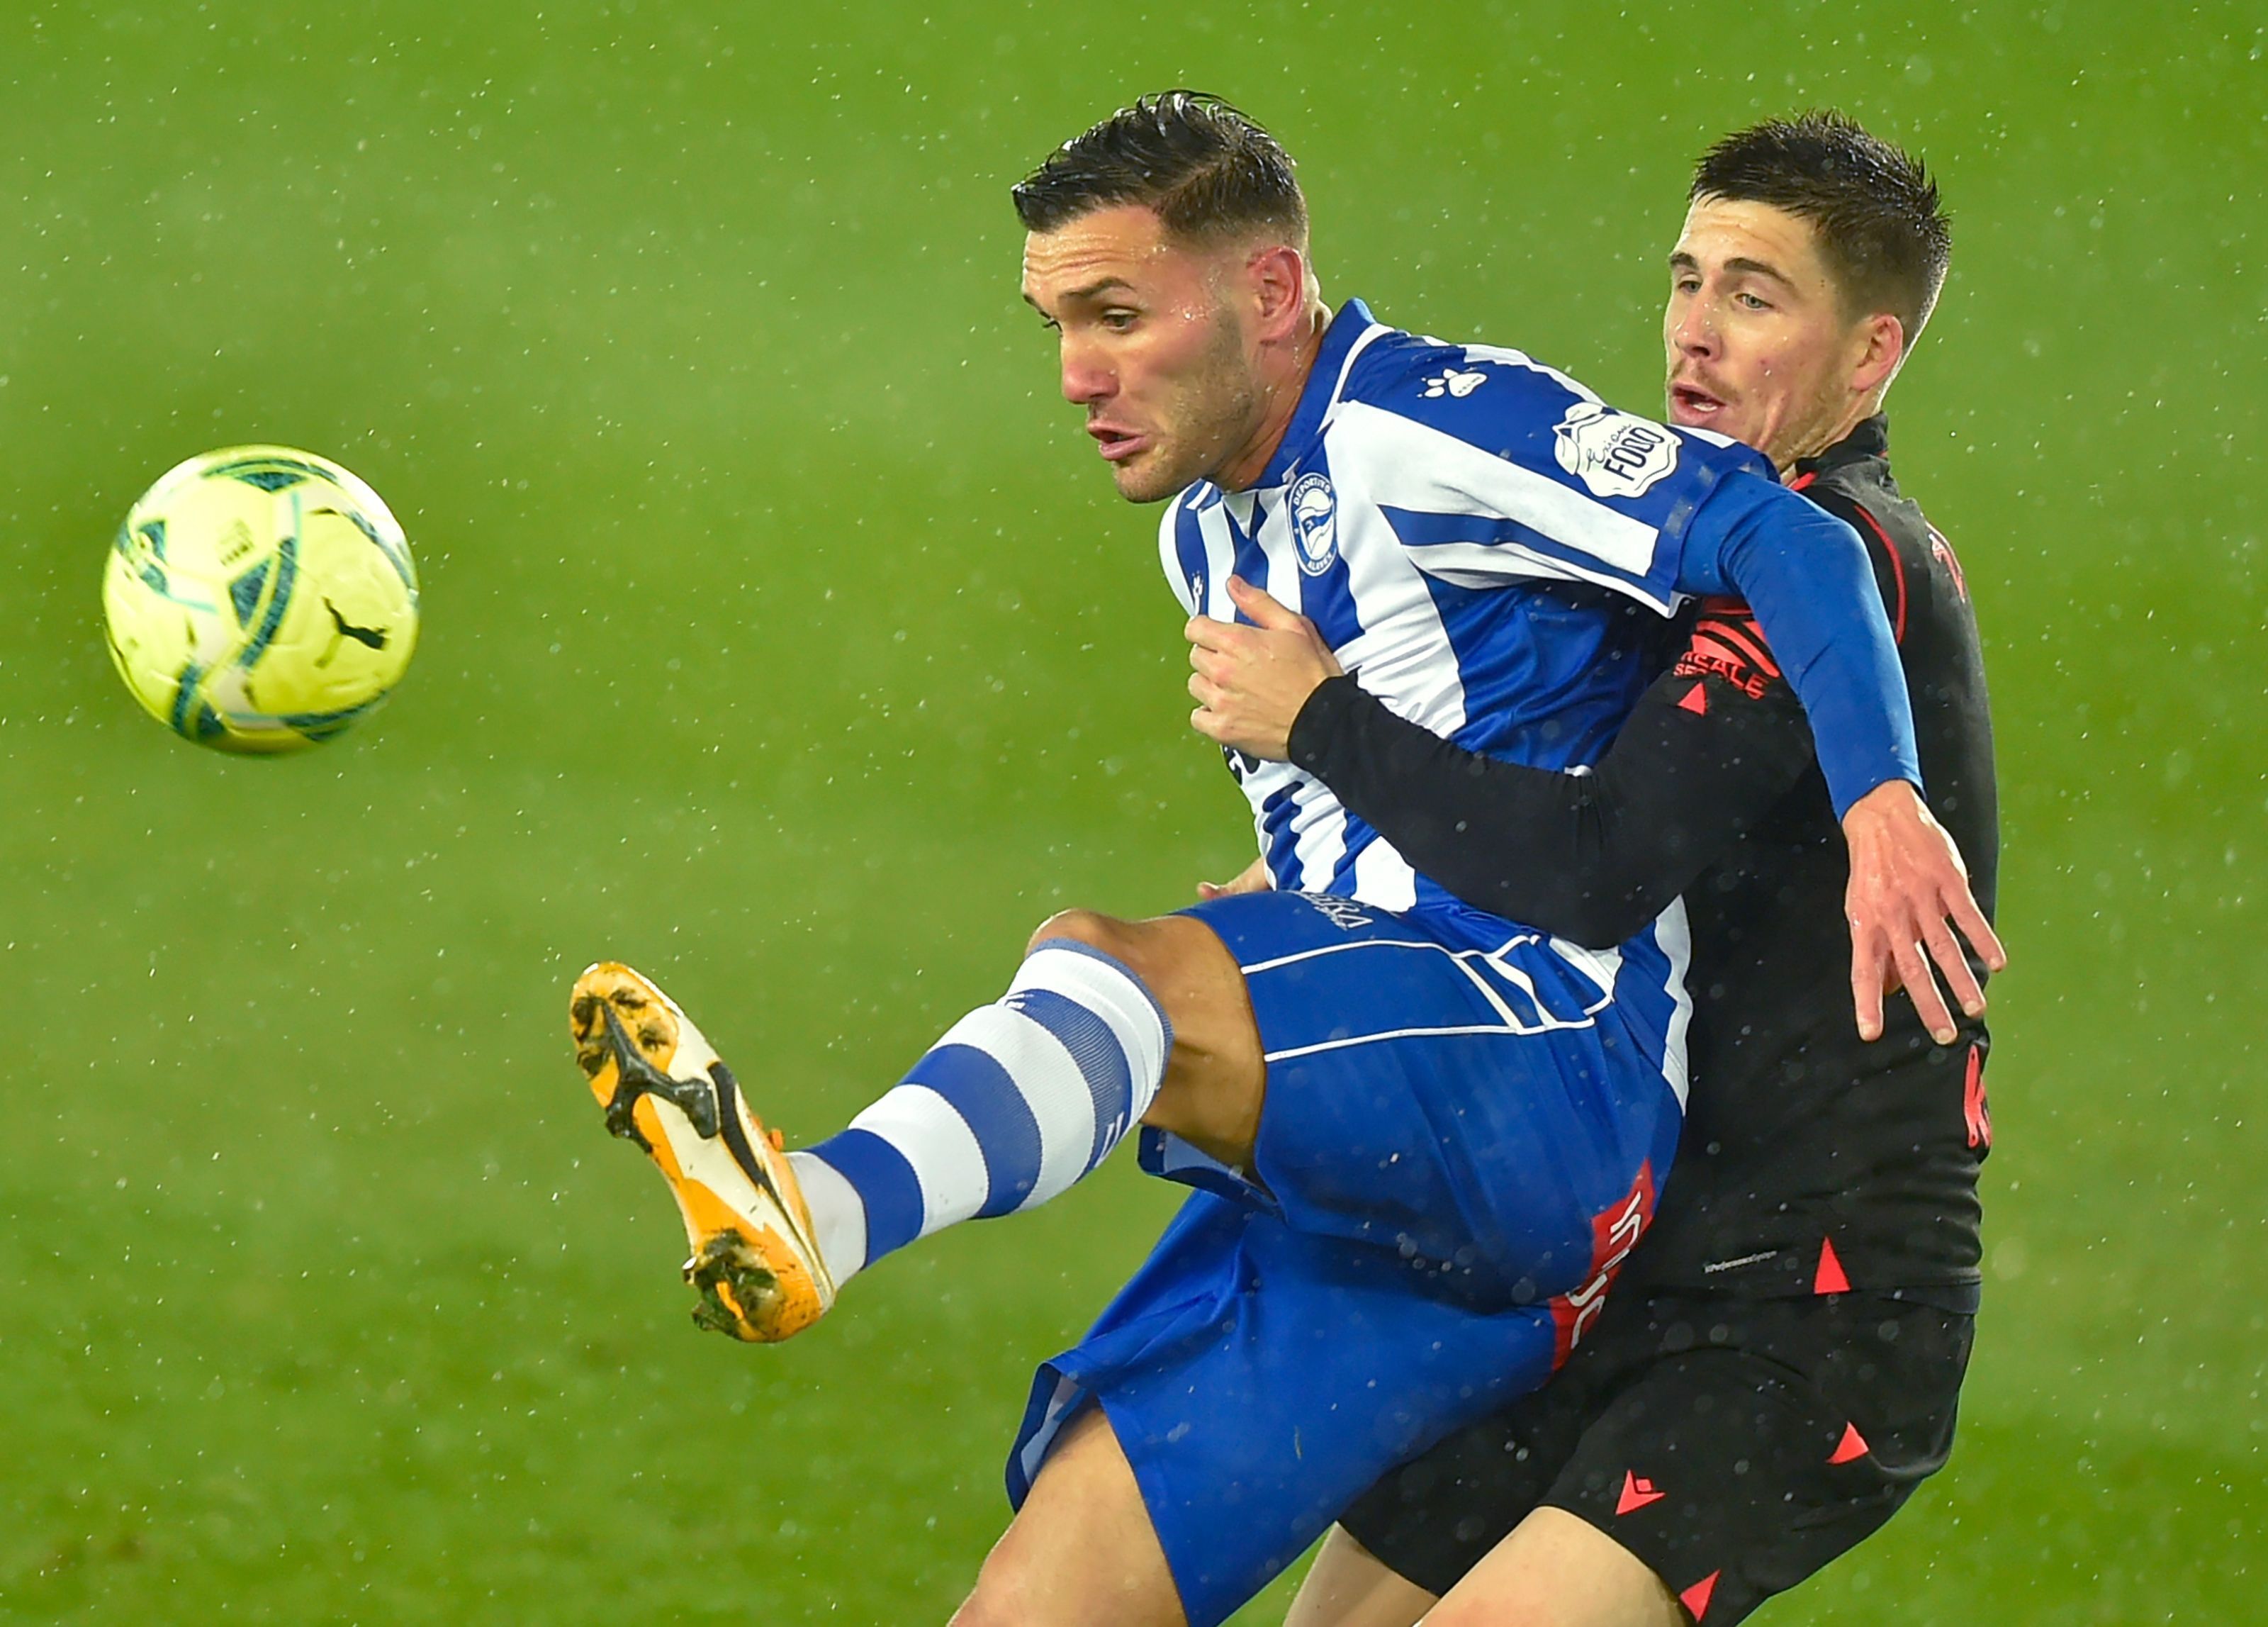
<point>1464,1128</point>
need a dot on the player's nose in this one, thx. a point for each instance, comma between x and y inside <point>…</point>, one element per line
<point>1086,381</point>
<point>1692,328</point>
<point>1087,387</point>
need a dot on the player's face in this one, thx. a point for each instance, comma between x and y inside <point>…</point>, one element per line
<point>1149,345</point>
<point>1759,346</point>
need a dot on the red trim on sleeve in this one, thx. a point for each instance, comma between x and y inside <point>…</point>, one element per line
<point>1803,480</point>
<point>1943,550</point>
<point>1898,569</point>
<point>1974,1108</point>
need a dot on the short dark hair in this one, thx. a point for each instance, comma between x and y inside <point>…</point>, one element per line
<point>1875,208</point>
<point>1207,170</point>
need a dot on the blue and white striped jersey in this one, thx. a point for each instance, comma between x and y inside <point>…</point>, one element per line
<point>1471,531</point>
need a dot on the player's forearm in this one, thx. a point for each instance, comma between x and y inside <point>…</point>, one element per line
<point>1590,858</point>
<point>1807,578</point>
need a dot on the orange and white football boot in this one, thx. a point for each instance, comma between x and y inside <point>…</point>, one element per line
<point>755,1254</point>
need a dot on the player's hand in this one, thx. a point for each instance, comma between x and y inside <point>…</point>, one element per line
<point>1907,881</point>
<point>1254,877</point>
<point>1249,682</point>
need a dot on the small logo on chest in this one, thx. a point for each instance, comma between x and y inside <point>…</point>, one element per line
<point>1316,522</point>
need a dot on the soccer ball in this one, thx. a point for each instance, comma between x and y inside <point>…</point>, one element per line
<point>259,599</point>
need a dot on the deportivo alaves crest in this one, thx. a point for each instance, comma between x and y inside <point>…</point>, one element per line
<point>1316,522</point>
<point>1613,453</point>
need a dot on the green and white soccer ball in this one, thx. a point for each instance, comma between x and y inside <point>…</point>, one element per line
<point>259,599</point>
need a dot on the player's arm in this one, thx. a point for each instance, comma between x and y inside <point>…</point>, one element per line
<point>1606,498</point>
<point>1589,857</point>
<point>1807,577</point>
<point>1813,589</point>
<point>1489,489</point>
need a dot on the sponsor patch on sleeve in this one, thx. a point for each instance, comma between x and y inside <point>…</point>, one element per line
<point>1611,452</point>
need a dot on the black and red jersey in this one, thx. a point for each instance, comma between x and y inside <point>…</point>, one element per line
<point>1810,1161</point>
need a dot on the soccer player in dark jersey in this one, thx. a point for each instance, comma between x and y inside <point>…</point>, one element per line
<point>1778,1366</point>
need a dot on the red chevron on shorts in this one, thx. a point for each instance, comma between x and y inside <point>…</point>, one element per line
<point>1636,1493</point>
<point>1829,1279</point>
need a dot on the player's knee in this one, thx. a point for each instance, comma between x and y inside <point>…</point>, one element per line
<point>1114,937</point>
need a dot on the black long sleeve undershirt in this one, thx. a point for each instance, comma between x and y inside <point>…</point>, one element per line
<point>1593,857</point>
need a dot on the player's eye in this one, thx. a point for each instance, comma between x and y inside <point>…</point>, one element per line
<point>1750,302</point>
<point>1118,321</point>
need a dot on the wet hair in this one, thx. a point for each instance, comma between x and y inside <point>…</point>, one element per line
<point>1873,208</point>
<point>1208,171</point>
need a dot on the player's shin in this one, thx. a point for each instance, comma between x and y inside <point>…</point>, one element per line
<point>1019,1100</point>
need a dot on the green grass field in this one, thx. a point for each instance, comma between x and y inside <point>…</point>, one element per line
<point>783,637</point>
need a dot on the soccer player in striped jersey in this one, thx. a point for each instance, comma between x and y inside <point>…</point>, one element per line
<point>1421,1135</point>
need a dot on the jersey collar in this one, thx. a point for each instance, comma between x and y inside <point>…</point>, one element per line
<point>1320,393</point>
<point>1870,437</point>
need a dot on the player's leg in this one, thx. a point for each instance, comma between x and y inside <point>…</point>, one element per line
<point>1558,1571</point>
<point>1448,1151</point>
<point>1107,1022</point>
<point>1081,1551</point>
<point>1714,1451</point>
<point>1104,1023</point>
<point>1215,1079</point>
<point>1348,1586</point>
<point>1414,1536</point>
<point>1553,1571</point>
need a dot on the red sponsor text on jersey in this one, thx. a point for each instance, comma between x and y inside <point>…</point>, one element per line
<point>1726,643</point>
<point>1614,1232</point>
<point>1898,608</point>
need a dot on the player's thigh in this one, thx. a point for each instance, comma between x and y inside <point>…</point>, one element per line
<point>1558,1571</point>
<point>1081,1552</point>
<point>1347,1587</point>
<point>1215,1076</point>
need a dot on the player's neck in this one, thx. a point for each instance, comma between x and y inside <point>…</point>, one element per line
<point>1832,433</point>
<point>1283,381</point>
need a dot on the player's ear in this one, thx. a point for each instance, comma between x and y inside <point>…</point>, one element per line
<point>1277,276</point>
<point>1880,356</point>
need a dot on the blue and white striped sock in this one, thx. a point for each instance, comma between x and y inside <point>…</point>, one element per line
<point>1018,1102</point>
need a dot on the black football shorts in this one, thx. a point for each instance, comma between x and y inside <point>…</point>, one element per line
<point>1735,1445</point>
